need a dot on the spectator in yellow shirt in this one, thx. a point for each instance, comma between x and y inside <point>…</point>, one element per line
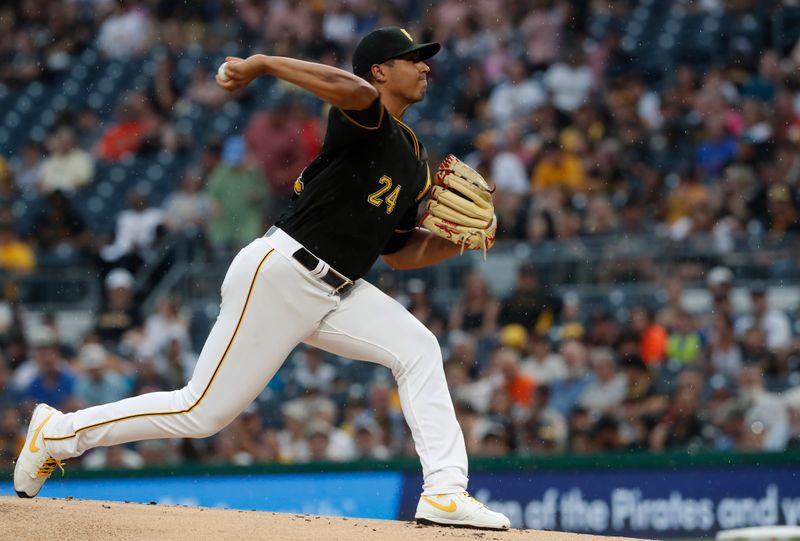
<point>15,255</point>
<point>558,169</point>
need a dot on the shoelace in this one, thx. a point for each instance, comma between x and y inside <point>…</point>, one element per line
<point>467,496</point>
<point>48,466</point>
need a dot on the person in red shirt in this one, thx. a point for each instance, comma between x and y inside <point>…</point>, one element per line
<point>652,336</point>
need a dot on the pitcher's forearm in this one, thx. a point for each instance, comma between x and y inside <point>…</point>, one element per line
<point>338,87</point>
<point>422,249</point>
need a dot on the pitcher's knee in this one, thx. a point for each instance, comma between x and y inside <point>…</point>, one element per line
<point>421,351</point>
<point>203,423</point>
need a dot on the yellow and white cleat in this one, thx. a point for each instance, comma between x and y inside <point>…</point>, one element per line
<point>460,510</point>
<point>34,465</point>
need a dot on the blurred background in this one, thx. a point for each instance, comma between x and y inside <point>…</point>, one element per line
<point>642,295</point>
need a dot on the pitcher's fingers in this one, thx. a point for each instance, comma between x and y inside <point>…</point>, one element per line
<point>230,85</point>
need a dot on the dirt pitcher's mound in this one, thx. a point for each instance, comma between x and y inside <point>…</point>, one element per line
<point>44,519</point>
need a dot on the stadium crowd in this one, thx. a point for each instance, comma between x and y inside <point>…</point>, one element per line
<point>583,139</point>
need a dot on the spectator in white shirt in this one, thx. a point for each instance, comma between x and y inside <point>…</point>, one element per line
<point>609,386</point>
<point>569,82</point>
<point>516,96</point>
<point>773,322</point>
<point>312,372</point>
<point>125,32</point>
<point>137,231</point>
<point>542,363</point>
<point>66,168</point>
<point>766,419</point>
<point>97,383</point>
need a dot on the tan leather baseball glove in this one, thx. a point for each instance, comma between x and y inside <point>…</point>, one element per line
<point>460,208</point>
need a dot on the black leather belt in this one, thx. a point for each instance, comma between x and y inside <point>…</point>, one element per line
<point>339,282</point>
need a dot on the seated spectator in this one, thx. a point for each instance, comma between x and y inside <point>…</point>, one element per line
<point>168,322</point>
<point>175,362</point>
<point>724,356</point>
<point>608,387</point>
<point>606,435</point>
<point>27,173</point>
<point>681,427</point>
<point>653,336</point>
<point>386,414</point>
<point>772,321</point>
<point>58,227</point>
<point>643,403</point>
<point>323,444</point>
<point>96,383</point>
<point>134,124</point>
<point>424,309</point>
<point>16,256</point>
<point>292,445</point>
<point>684,197</point>
<point>367,440</point>
<point>246,432</point>
<point>273,138</point>
<point>470,103</point>
<point>516,96</point>
<point>494,440</point>
<point>782,214</point>
<point>542,430</point>
<point>766,418</point>
<point>685,345</point>
<point>527,305</point>
<point>568,392</point>
<point>138,230</point>
<point>53,382</point>
<point>519,386</point>
<point>125,32</point>
<point>541,363</point>
<point>147,379</point>
<point>569,81</point>
<point>25,64</point>
<point>716,149</point>
<point>543,32</point>
<point>558,169</point>
<point>188,208</point>
<point>239,196</point>
<point>312,372</point>
<point>119,315</point>
<point>477,309</point>
<point>66,167</point>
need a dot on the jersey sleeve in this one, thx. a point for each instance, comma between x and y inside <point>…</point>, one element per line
<point>348,126</point>
<point>403,232</point>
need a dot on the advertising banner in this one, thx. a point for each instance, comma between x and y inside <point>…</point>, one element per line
<point>692,502</point>
<point>354,494</point>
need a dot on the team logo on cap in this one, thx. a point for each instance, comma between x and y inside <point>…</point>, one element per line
<point>403,30</point>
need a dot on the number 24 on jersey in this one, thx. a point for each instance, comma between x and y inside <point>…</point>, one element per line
<point>377,199</point>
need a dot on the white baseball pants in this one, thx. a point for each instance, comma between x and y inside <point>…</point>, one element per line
<point>270,303</point>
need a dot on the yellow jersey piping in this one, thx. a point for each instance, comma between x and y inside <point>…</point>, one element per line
<point>351,119</point>
<point>208,386</point>
<point>427,184</point>
<point>413,135</point>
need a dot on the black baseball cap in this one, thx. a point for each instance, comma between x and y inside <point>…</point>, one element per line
<point>385,44</point>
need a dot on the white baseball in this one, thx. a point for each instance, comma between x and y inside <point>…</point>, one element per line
<point>221,73</point>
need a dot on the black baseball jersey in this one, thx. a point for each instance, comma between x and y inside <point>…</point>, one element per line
<point>358,198</point>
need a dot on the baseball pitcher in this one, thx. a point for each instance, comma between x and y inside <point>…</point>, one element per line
<point>301,282</point>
